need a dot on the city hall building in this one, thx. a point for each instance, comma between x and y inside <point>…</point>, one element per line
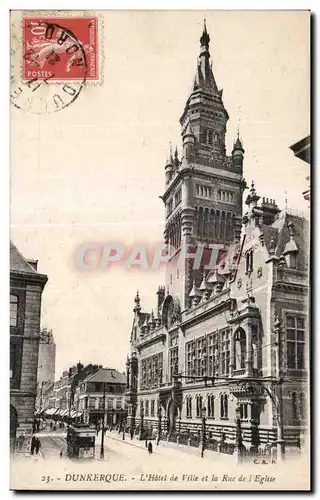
<point>227,343</point>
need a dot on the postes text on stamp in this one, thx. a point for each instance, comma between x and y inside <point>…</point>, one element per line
<point>60,48</point>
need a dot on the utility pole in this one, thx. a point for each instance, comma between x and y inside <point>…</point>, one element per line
<point>104,413</point>
<point>279,398</point>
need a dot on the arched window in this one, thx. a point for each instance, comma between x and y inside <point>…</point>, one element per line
<point>206,223</point>
<point>210,408</point>
<point>200,222</point>
<point>224,406</point>
<point>229,227</point>
<point>223,226</point>
<point>189,406</point>
<point>240,349</point>
<point>217,225</point>
<point>199,406</point>
<point>211,229</point>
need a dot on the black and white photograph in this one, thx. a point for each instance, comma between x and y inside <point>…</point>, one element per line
<point>160,201</point>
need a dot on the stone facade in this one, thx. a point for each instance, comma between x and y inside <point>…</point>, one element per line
<point>102,393</point>
<point>47,357</point>
<point>227,342</point>
<point>26,286</point>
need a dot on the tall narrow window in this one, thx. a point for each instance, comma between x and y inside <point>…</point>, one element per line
<point>152,408</point>
<point>302,405</point>
<point>240,349</point>
<point>294,406</point>
<point>173,358</point>
<point>204,136</point>
<point>225,352</point>
<point>13,310</point>
<point>244,411</point>
<point>199,406</point>
<point>249,261</point>
<point>210,406</point>
<point>295,331</point>
<point>224,406</point>
<point>189,407</point>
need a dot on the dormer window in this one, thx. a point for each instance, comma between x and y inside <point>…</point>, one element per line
<point>291,260</point>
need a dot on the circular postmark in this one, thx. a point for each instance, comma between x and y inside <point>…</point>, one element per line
<point>54,67</point>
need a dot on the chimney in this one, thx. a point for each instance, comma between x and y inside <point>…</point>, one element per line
<point>269,211</point>
<point>160,294</point>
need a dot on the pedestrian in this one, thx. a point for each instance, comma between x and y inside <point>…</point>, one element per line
<point>146,443</point>
<point>150,447</point>
<point>38,445</point>
<point>61,453</point>
<point>33,444</point>
<point>51,425</point>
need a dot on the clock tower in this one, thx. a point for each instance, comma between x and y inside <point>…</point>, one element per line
<point>203,188</point>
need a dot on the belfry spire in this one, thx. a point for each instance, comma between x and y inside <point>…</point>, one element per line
<point>205,38</point>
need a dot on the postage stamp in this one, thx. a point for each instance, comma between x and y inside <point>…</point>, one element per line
<point>60,48</point>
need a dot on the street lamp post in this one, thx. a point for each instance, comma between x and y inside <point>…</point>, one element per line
<point>123,424</point>
<point>279,398</point>
<point>203,431</point>
<point>159,422</point>
<point>239,445</point>
<point>133,421</point>
<point>103,423</point>
<point>141,422</point>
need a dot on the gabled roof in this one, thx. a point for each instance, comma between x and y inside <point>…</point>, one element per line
<point>109,375</point>
<point>18,262</point>
<point>280,232</point>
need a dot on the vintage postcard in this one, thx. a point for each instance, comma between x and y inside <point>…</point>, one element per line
<point>159,253</point>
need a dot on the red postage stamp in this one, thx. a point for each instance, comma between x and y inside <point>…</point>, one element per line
<point>64,48</point>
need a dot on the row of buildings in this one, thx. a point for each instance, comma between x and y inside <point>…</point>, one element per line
<point>226,344</point>
<point>85,394</point>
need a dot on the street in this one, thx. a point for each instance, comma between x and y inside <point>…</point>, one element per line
<point>117,450</point>
<point>52,443</point>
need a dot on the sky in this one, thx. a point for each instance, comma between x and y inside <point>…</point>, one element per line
<point>95,170</point>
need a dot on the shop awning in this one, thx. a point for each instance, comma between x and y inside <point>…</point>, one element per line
<point>50,411</point>
<point>76,414</point>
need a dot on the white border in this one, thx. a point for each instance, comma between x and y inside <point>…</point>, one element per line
<point>4,210</point>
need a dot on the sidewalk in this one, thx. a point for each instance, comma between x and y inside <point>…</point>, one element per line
<point>166,448</point>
